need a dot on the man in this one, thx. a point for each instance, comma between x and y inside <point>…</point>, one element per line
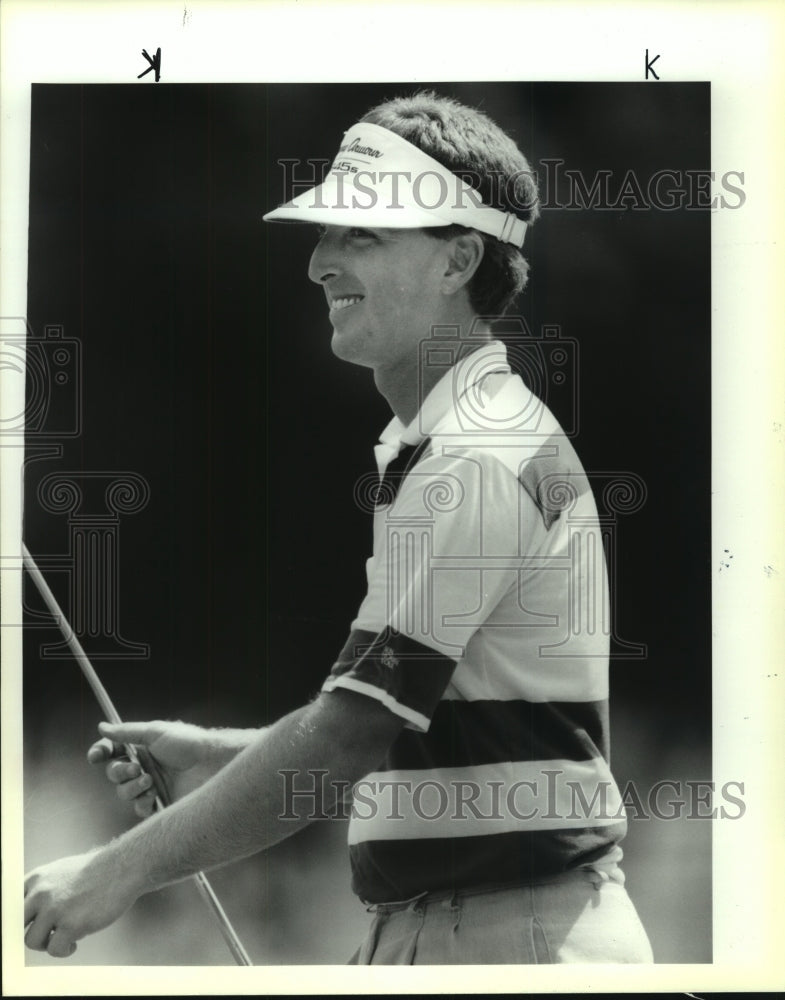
<point>468,707</point>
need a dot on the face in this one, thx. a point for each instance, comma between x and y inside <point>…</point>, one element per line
<point>383,290</point>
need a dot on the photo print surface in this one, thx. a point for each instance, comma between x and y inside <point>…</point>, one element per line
<point>194,449</point>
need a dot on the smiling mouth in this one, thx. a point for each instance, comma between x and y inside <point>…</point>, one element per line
<point>343,303</point>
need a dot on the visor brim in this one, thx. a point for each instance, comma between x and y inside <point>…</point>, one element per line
<point>327,205</point>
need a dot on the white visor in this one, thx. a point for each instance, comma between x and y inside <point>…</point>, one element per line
<point>378,179</point>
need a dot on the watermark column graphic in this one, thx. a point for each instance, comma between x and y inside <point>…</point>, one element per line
<point>591,601</point>
<point>411,562</point>
<point>547,360</point>
<point>41,413</point>
<point>92,562</point>
<point>530,440</point>
<point>41,408</point>
<point>549,363</point>
<point>42,401</point>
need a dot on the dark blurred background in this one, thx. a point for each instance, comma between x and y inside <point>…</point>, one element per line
<point>200,354</point>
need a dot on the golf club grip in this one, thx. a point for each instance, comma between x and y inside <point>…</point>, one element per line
<point>149,764</point>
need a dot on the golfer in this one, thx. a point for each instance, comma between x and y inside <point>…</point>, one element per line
<point>468,708</point>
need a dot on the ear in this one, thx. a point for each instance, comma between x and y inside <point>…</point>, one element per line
<point>465,252</point>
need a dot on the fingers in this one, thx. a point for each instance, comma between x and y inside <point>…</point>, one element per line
<point>40,936</point>
<point>38,927</point>
<point>123,770</point>
<point>116,736</point>
<point>64,900</point>
<point>101,751</point>
<point>60,944</point>
<point>130,732</point>
<point>128,789</point>
<point>104,750</point>
<point>144,805</point>
<point>38,921</point>
<point>133,784</point>
<point>37,934</point>
<point>30,905</point>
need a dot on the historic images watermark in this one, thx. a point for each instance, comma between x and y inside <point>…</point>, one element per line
<point>663,190</point>
<point>550,795</point>
<point>560,187</point>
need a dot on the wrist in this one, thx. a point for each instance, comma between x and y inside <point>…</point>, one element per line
<point>118,865</point>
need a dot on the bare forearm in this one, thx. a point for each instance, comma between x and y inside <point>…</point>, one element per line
<point>241,809</point>
<point>237,811</point>
<point>232,815</point>
<point>223,745</point>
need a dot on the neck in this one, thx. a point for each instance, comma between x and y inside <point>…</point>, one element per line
<point>406,383</point>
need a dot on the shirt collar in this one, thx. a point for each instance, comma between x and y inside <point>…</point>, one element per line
<point>443,398</point>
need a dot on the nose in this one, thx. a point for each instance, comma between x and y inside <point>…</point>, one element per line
<point>324,263</point>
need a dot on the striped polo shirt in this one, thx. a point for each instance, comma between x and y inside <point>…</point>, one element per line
<point>485,626</point>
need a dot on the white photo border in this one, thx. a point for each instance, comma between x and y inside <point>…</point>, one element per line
<point>739,49</point>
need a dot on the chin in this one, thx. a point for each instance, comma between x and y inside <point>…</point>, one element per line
<point>347,349</point>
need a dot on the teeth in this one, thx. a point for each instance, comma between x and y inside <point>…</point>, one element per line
<point>348,300</point>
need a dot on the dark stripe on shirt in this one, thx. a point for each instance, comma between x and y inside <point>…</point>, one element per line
<point>464,733</point>
<point>466,862</point>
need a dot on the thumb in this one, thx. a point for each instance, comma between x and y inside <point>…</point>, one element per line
<point>143,733</point>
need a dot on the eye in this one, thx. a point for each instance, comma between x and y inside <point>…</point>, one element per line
<point>355,233</point>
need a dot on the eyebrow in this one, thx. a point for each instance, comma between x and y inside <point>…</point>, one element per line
<point>392,234</point>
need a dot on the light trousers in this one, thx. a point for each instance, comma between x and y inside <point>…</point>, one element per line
<point>579,916</point>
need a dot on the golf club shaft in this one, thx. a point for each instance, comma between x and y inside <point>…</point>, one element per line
<point>138,754</point>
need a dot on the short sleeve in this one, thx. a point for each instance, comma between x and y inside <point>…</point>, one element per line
<point>446,550</point>
<point>404,675</point>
